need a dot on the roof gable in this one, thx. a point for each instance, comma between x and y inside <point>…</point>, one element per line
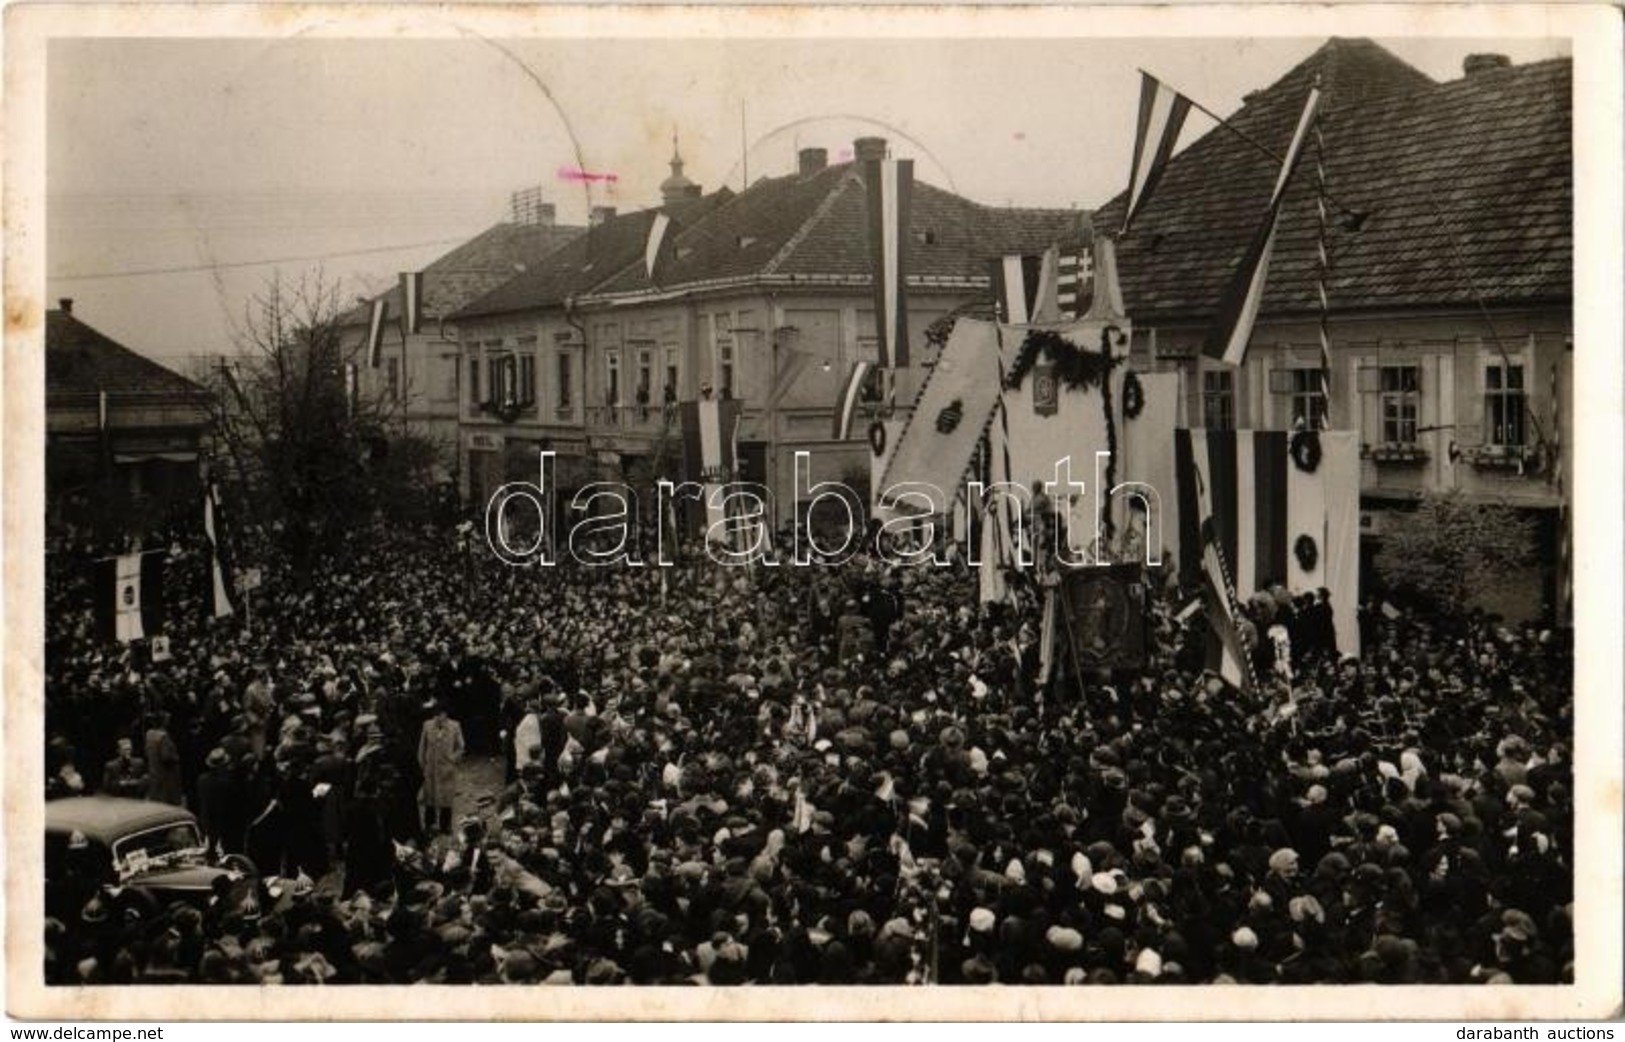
<point>81,359</point>
<point>1487,156</point>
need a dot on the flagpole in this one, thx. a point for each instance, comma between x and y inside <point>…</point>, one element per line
<point>1322,274</point>
<point>1257,144</point>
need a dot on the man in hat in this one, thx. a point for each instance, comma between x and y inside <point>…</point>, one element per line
<point>222,803</point>
<point>440,749</point>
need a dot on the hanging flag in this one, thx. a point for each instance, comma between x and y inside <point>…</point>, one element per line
<point>1238,309</point>
<point>792,361</point>
<point>847,403</point>
<point>708,454</point>
<point>411,303</point>
<point>1162,117</point>
<point>1024,288</point>
<point>651,249</point>
<point>375,332</point>
<point>129,592</point>
<point>1274,519</point>
<point>890,188</point>
<point>220,584</point>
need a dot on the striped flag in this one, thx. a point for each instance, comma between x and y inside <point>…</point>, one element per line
<point>939,440</point>
<point>847,402</point>
<point>411,303</point>
<point>1162,117</point>
<point>1024,287</point>
<point>651,248</point>
<point>1273,521</point>
<point>708,453</point>
<point>1238,310</point>
<point>375,332</point>
<point>890,188</point>
<point>129,596</point>
<point>219,566</point>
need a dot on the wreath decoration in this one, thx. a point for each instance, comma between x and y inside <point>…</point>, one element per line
<point>1074,367</point>
<point>1306,552</point>
<point>1305,450</point>
<point>1133,396</point>
<point>877,438</point>
<point>950,416</point>
<point>938,332</point>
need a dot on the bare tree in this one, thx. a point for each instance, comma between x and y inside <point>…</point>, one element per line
<point>312,457</point>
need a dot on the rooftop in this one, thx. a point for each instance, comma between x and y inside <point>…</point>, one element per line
<point>82,360</point>
<point>1466,185</point>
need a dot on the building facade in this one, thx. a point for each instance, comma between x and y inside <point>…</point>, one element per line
<point>763,296</point>
<point>1449,235</point>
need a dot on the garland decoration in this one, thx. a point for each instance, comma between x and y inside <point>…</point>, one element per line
<point>1075,368</point>
<point>938,332</point>
<point>1306,552</point>
<point>1133,396</point>
<point>1305,451</point>
<point>877,438</point>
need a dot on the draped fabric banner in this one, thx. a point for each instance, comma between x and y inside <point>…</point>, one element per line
<point>708,451</point>
<point>936,444</point>
<point>1276,520</point>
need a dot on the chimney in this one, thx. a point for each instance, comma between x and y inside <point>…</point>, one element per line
<point>600,215</point>
<point>545,215</point>
<point>1477,63</point>
<point>867,148</point>
<point>812,160</point>
<point>66,304</point>
<point>527,208</point>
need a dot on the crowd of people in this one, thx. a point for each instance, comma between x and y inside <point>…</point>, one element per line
<point>832,775</point>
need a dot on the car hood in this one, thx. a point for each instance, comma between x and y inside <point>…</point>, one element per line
<point>177,877</point>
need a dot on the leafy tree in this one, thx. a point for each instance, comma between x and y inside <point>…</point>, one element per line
<point>1451,547</point>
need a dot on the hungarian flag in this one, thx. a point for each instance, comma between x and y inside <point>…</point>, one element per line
<point>411,302</point>
<point>938,443</point>
<point>890,187</point>
<point>847,403</point>
<point>1238,310</point>
<point>1277,510</point>
<point>709,452</point>
<point>220,590</point>
<point>1025,287</point>
<point>375,332</point>
<point>129,596</point>
<point>1162,117</point>
<point>1074,279</point>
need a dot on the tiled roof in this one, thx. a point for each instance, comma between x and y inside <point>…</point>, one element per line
<point>586,262</point>
<point>476,267</point>
<point>80,360</point>
<point>815,226</point>
<point>1487,156</point>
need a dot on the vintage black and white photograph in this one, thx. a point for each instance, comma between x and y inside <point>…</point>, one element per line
<point>798,509</point>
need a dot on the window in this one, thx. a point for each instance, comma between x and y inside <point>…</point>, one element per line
<point>1219,400</point>
<point>646,369</point>
<point>392,378</point>
<point>1308,400</point>
<point>527,380</point>
<point>1399,397</point>
<point>612,378</point>
<point>474,380</point>
<point>723,325</point>
<point>494,387</point>
<point>1503,405</point>
<point>725,369</point>
<point>564,381</point>
<point>671,375</point>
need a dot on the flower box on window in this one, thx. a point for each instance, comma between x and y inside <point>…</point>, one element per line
<point>1399,454</point>
<point>1523,459</point>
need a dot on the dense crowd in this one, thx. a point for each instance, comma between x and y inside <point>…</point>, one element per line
<point>806,775</point>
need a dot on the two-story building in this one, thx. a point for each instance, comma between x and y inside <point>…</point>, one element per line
<point>1450,240</point>
<point>418,378</point>
<point>744,287</point>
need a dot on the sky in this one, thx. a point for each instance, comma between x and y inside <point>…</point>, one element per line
<point>181,174</point>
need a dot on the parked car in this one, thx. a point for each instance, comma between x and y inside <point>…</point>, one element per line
<point>133,857</point>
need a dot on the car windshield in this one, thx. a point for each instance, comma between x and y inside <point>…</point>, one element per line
<point>134,851</point>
